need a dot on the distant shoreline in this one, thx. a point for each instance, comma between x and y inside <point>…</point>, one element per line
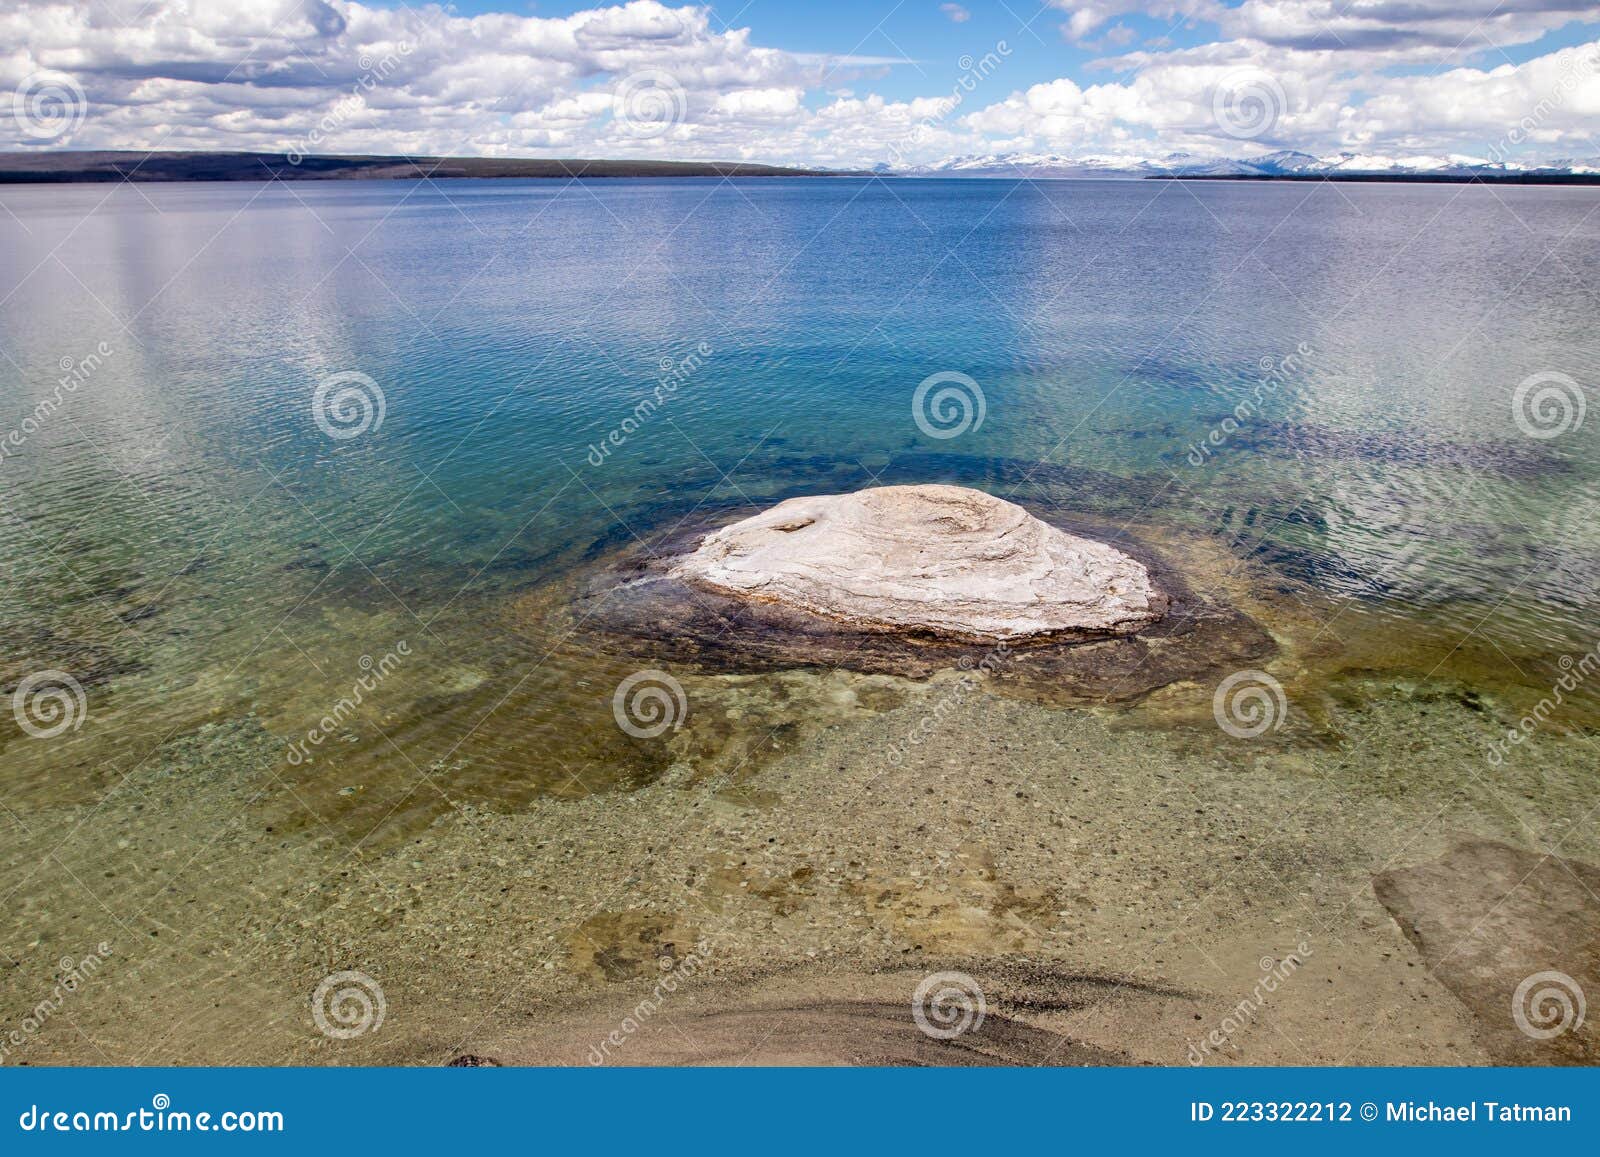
<point>118,166</point>
<point>1395,178</point>
<point>106,167</point>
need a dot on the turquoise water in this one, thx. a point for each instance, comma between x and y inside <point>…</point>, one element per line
<point>187,541</point>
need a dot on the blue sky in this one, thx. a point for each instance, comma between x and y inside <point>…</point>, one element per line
<point>916,31</point>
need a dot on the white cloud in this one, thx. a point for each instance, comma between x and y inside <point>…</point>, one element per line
<point>1412,29</point>
<point>344,77</point>
<point>1084,18</point>
<point>1396,30</point>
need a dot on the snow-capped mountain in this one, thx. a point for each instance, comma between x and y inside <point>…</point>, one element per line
<point>1286,162</point>
<point>1051,165</point>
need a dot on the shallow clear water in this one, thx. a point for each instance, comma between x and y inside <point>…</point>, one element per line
<point>1303,398</point>
<point>187,541</point>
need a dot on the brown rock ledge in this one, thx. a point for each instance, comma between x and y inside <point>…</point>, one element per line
<point>1030,1015</point>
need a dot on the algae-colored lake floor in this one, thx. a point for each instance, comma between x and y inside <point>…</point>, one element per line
<point>1113,881</point>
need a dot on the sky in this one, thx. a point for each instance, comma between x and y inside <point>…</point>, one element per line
<point>845,83</point>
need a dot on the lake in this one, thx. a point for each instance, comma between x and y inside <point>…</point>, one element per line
<point>262,445</point>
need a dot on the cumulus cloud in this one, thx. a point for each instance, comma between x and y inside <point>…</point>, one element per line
<point>1240,98</point>
<point>648,79</point>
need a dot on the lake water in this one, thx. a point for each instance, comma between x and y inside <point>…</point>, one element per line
<point>1361,404</point>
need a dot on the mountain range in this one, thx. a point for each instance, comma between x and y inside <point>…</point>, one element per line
<point>1286,163</point>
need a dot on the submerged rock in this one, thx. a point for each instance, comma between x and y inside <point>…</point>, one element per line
<point>1515,935</point>
<point>946,561</point>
